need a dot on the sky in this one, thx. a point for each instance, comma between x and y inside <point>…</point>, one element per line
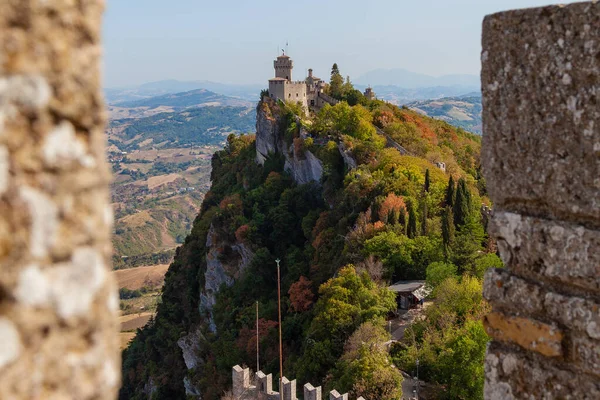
<point>235,41</point>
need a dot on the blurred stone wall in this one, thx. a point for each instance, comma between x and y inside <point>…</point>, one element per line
<point>58,302</point>
<point>541,159</point>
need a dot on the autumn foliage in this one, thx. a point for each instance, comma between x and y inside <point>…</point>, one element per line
<point>301,295</point>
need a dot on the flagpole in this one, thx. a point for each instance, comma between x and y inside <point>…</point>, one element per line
<point>257,352</point>
<point>280,345</point>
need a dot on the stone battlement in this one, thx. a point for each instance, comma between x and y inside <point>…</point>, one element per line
<point>263,390</point>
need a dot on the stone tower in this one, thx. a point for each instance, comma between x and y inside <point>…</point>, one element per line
<point>283,67</point>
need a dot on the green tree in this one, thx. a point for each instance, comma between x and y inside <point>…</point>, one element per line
<point>448,229</point>
<point>449,199</point>
<point>424,215</point>
<point>486,262</point>
<point>336,82</point>
<point>411,230</point>
<point>462,204</point>
<point>345,302</point>
<point>365,368</point>
<point>438,272</point>
<point>427,181</point>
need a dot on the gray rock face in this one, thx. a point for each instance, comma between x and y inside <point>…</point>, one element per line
<point>305,167</point>
<point>541,120</point>
<point>217,273</point>
<point>268,137</point>
<point>189,345</point>
<point>347,156</point>
<point>190,389</point>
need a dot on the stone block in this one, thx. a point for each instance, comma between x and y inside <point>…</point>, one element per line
<point>335,395</point>
<point>511,374</point>
<point>311,392</point>
<point>575,313</point>
<point>241,380</point>
<point>503,289</point>
<point>541,120</point>
<point>585,353</point>
<point>547,250</point>
<point>288,389</point>
<point>530,334</point>
<point>264,383</point>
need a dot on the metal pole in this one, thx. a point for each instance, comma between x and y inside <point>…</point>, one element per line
<point>257,352</point>
<point>417,379</point>
<point>280,345</point>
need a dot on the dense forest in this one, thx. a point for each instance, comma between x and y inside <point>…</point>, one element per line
<point>341,242</point>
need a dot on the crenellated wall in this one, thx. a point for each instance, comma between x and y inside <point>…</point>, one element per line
<point>541,159</point>
<point>263,390</point>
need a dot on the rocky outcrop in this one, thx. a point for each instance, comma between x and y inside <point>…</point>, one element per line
<point>269,139</point>
<point>347,156</point>
<point>220,272</point>
<point>301,164</point>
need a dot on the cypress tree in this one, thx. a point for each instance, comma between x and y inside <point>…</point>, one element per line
<point>449,200</point>
<point>402,218</point>
<point>411,231</point>
<point>447,229</point>
<point>462,204</point>
<point>424,217</point>
<point>427,181</point>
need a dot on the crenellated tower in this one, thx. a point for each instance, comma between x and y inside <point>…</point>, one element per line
<point>283,67</point>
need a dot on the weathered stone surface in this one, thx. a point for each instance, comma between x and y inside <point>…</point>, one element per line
<point>541,161</point>
<point>59,305</point>
<point>510,375</point>
<point>575,313</point>
<point>549,250</point>
<point>541,121</point>
<point>532,335</point>
<point>585,353</point>
<point>507,291</point>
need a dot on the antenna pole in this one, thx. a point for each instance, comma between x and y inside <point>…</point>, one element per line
<point>257,352</point>
<point>280,345</point>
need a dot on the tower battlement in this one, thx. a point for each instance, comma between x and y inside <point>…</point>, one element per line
<point>263,390</point>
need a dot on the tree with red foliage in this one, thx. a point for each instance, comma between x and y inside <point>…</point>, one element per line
<point>246,340</point>
<point>301,295</point>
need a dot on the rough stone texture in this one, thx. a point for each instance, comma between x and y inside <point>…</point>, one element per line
<point>552,251</point>
<point>58,301</point>
<point>510,375</point>
<point>529,334</point>
<point>540,74</point>
<point>541,161</point>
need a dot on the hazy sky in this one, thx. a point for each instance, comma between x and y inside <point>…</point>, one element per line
<point>235,41</point>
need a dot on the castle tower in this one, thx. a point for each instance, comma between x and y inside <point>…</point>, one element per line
<point>283,67</point>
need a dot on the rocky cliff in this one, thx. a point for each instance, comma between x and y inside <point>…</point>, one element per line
<point>301,164</point>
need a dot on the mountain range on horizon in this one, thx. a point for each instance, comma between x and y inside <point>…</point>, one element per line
<point>405,86</point>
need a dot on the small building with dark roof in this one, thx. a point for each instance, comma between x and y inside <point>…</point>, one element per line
<point>409,293</point>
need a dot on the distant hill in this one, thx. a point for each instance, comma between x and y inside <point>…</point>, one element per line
<point>194,126</point>
<point>117,96</point>
<point>462,111</point>
<point>192,98</point>
<point>401,96</point>
<point>408,79</point>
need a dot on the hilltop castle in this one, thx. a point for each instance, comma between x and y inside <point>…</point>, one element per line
<point>308,92</point>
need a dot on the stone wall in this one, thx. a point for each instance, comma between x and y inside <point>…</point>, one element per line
<point>541,159</point>
<point>242,389</point>
<point>58,303</point>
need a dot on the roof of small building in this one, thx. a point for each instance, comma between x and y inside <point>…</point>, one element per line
<point>406,286</point>
<point>283,56</point>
